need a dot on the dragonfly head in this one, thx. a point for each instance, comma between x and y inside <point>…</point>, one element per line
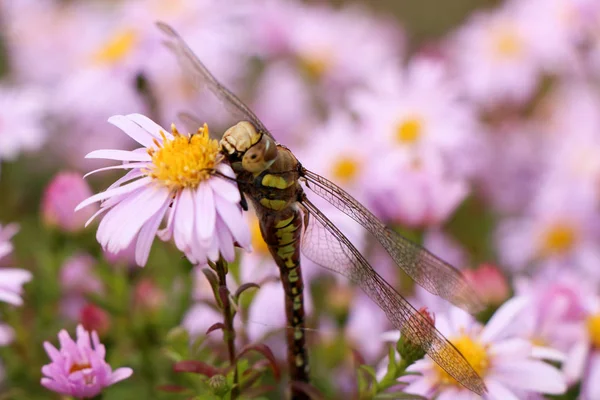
<point>243,142</point>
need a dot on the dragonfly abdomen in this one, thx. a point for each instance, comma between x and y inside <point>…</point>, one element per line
<point>282,232</point>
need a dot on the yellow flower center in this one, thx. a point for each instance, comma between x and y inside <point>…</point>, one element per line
<point>185,160</point>
<point>258,243</point>
<point>474,352</point>
<point>559,238</point>
<point>507,43</point>
<point>409,130</point>
<point>315,65</point>
<point>119,46</point>
<point>345,169</point>
<point>593,325</point>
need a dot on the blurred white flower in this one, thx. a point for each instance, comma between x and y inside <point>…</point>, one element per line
<point>22,125</point>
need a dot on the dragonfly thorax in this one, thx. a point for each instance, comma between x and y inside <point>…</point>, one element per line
<point>242,142</point>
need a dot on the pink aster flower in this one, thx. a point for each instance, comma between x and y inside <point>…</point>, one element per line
<point>176,176</point>
<point>507,364</point>
<point>495,58</point>
<point>11,279</point>
<point>79,369</point>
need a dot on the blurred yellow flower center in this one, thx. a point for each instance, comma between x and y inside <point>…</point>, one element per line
<point>507,44</point>
<point>79,367</point>
<point>258,243</point>
<point>345,169</point>
<point>474,352</point>
<point>409,130</point>
<point>315,65</point>
<point>593,325</point>
<point>559,238</point>
<point>185,160</point>
<point>119,46</point>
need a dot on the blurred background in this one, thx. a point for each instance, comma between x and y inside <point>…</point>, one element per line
<point>471,126</point>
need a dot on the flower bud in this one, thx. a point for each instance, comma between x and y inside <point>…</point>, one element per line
<point>93,318</point>
<point>489,283</point>
<point>65,191</point>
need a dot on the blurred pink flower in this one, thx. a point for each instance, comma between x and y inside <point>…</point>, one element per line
<point>62,194</point>
<point>560,229</point>
<point>419,112</point>
<point>11,279</point>
<point>77,279</point>
<point>325,41</point>
<point>169,176</point>
<point>366,322</point>
<point>426,197</point>
<point>22,125</point>
<point>78,369</point>
<point>287,120</point>
<point>494,58</point>
<point>506,363</point>
<point>555,316</point>
<point>444,246</point>
<point>490,284</point>
<point>341,152</point>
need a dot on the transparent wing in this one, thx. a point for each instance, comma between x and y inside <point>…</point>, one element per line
<point>429,271</point>
<point>200,76</point>
<point>327,246</point>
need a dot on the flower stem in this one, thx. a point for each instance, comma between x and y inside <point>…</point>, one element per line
<point>228,332</point>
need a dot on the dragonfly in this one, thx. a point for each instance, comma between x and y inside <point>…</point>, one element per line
<point>277,184</point>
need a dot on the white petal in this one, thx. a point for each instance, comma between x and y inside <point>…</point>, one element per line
<point>548,353</point>
<point>119,155</point>
<point>497,391</point>
<point>225,189</point>
<point>120,166</point>
<point>114,192</point>
<point>591,383</point>
<point>145,206</point>
<point>205,212</point>
<point>147,234</point>
<point>502,318</point>
<point>532,375</point>
<point>133,130</point>
<point>232,216</point>
<point>183,228</point>
<point>510,349</point>
<point>576,360</point>
<point>149,126</point>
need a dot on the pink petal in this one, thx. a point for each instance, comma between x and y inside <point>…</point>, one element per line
<point>591,383</point>
<point>547,353</point>
<point>422,386</point>
<point>576,360</point>
<point>503,318</point>
<point>205,212</point>
<point>133,130</point>
<point>119,374</point>
<point>226,244</point>
<point>119,155</point>
<point>10,297</point>
<point>114,192</point>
